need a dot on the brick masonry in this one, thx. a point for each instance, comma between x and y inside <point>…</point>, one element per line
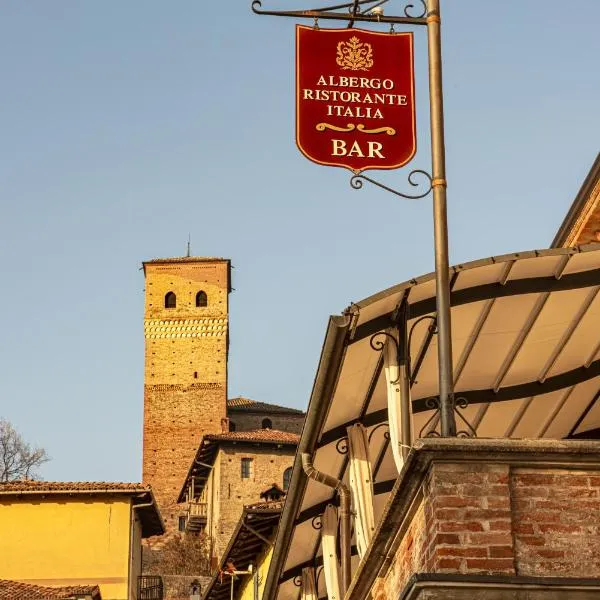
<point>185,373</point>
<point>499,519</point>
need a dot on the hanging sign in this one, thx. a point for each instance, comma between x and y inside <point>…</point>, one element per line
<point>355,98</point>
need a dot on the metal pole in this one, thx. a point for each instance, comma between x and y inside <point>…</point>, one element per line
<point>440,220</point>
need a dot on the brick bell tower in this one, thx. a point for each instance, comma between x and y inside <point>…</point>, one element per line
<point>185,374</point>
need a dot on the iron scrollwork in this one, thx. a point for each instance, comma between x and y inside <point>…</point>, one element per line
<point>316,522</point>
<point>342,445</point>
<point>386,434</point>
<point>408,8</point>
<point>378,345</point>
<point>460,404</point>
<point>297,581</point>
<point>357,10</point>
<point>356,181</point>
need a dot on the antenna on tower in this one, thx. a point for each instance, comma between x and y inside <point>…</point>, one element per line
<point>189,245</point>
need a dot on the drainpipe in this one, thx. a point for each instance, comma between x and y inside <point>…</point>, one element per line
<point>344,494</point>
<point>131,548</point>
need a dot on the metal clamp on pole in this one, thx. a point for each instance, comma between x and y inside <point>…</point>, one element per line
<point>440,220</point>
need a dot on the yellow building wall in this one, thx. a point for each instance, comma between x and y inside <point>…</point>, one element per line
<point>67,541</point>
<point>247,587</point>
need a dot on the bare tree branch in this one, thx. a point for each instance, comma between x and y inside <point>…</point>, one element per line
<point>18,460</point>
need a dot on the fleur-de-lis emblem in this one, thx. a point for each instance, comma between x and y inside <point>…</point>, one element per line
<point>354,55</point>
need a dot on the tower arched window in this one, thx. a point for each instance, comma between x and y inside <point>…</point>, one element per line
<point>231,426</point>
<point>170,300</point>
<point>287,478</point>
<point>267,424</point>
<point>201,299</point>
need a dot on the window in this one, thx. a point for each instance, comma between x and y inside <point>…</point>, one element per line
<point>246,468</point>
<point>181,523</point>
<point>201,299</point>
<point>170,300</point>
<point>287,477</point>
<point>231,426</point>
<point>267,424</point>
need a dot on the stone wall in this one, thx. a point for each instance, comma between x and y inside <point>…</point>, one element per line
<point>185,374</point>
<point>269,463</point>
<point>247,421</point>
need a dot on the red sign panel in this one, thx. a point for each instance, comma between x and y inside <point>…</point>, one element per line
<point>355,98</point>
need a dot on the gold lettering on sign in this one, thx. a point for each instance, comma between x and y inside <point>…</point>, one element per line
<point>354,55</point>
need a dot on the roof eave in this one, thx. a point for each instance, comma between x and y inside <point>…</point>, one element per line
<point>578,205</point>
<point>332,354</point>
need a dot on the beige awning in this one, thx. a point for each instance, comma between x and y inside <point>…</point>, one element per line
<point>526,355</point>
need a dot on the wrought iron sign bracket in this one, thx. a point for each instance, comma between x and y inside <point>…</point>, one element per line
<point>363,11</point>
<point>357,182</point>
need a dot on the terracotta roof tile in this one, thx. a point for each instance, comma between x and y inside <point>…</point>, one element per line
<point>29,486</point>
<point>15,590</point>
<point>246,404</point>
<point>274,505</point>
<point>256,435</point>
<point>139,493</point>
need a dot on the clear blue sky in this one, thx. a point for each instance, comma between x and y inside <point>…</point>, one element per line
<point>126,125</point>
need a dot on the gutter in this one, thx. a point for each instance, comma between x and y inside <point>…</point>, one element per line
<point>578,205</point>
<point>332,354</point>
<point>345,523</point>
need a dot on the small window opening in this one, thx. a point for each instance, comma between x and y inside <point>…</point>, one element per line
<point>170,300</point>
<point>267,424</point>
<point>246,465</point>
<point>201,299</point>
<point>195,374</point>
<point>181,523</point>
<point>287,477</point>
<point>231,426</point>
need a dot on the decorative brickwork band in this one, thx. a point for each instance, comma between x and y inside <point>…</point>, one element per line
<point>185,328</point>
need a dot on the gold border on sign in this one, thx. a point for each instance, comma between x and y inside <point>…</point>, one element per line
<point>410,35</point>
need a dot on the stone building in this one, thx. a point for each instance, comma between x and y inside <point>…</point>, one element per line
<point>186,330</point>
<point>231,470</point>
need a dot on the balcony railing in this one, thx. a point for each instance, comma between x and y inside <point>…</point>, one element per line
<point>196,517</point>
<point>150,587</point>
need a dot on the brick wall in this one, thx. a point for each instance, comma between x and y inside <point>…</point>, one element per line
<point>557,522</point>
<point>269,463</point>
<point>498,519</point>
<point>246,421</point>
<point>185,373</point>
<point>468,519</point>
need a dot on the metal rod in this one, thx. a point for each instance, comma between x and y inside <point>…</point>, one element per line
<point>440,220</point>
<point>345,525</point>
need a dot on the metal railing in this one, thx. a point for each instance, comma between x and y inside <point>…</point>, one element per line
<point>150,587</point>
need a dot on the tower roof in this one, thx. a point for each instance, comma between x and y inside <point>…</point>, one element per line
<point>184,259</point>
